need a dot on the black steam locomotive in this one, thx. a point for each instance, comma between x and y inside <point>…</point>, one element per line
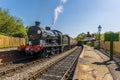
<point>44,42</point>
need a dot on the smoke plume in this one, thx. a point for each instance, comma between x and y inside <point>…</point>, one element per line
<point>63,1</point>
<point>58,10</point>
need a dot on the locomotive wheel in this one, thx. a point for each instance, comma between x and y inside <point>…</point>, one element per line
<point>36,55</point>
<point>44,54</point>
<point>62,50</point>
<point>57,52</point>
<point>52,52</point>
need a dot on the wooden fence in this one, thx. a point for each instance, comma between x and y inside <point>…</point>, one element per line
<point>6,42</point>
<point>106,45</point>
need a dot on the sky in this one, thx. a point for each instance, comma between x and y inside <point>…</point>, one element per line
<point>72,17</point>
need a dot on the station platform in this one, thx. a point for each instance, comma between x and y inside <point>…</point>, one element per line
<point>95,65</point>
<point>7,49</point>
<point>9,54</point>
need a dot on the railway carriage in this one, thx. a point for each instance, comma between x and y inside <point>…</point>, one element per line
<point>44,42</point>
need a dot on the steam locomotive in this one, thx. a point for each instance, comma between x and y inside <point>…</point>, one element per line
<point>44,42</point>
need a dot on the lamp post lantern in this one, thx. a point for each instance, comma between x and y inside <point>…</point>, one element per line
<point>99,30</point>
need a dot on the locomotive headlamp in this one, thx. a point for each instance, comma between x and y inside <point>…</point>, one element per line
<point>38,32</point>
<point>30,43</point>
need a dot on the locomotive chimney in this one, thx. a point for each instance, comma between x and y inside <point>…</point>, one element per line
<point>47,28</point>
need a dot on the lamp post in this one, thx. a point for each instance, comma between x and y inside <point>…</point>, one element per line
<point>99,30</point>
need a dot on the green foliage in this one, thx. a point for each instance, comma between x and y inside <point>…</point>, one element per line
<point>89,43</point>
<point>11,25</point>
<point>27,27</point>
<point>80,37</point>
<point>19,35</point>
<point>101,36</point>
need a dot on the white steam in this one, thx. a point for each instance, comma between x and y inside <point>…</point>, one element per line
<point>58,10</point>
<point>63,1</point>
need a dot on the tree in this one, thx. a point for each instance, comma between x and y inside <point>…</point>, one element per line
<point>97,36</point>
<point>80,36</point>
<point>11,25</point>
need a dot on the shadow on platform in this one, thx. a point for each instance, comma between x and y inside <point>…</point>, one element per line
<point>118,69</point>
<point>106,63</point>
<point>102,63</point>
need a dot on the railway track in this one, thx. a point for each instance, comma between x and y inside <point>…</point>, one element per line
<point>8,67</point>
<point>61,70</point>
<point>28,71</point>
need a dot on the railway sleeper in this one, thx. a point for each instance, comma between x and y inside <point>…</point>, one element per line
<point>6,64</point>
<point>2,73</point>
<point>66,61</point>
<point>48,78</point>
<point>9,71</point>
<point>9,75</point>
<point>63,63</point>
<point>57,71</point>
<point>61,67</point>
<point>51,75</point>
<point>66,65</point>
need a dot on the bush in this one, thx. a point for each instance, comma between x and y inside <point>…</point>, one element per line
<point>21,35</point>
<point>89,43</point>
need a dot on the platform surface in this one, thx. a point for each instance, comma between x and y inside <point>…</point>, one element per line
<point>7,49</point>
<point>92,66</point>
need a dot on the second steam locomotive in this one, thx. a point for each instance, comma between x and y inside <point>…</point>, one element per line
<point>44,42</point>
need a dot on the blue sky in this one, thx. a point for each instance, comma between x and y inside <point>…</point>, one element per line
<point>77,16</point>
